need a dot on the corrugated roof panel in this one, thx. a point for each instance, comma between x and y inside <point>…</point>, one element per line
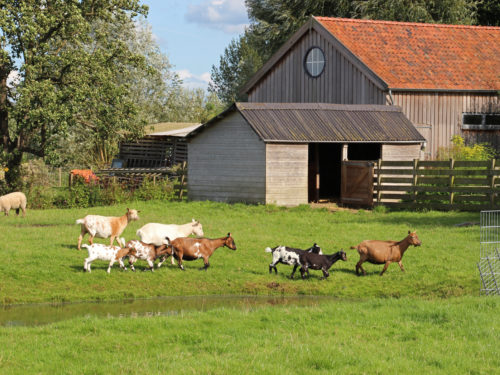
<point>321,122</point>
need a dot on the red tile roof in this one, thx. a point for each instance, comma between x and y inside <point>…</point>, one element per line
<point>421,55</point>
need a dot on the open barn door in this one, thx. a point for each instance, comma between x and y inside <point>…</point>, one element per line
<point>357,183</point>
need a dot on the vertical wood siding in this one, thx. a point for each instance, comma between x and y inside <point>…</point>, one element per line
<point>341,82</point>
<point>286,174</point>
<point>226,163</point>
<point>439,115</point>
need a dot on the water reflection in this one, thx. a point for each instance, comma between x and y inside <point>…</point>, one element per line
<point>38,314</point>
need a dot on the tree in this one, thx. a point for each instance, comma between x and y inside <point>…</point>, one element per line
<point>488,13</point>
<point>192,105</point>
<point>437,11</point>
<point>238,63</point>
<point>67,64</point>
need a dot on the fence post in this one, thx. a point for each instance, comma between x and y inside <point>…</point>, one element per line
<point>492,182</point>
<point>379,180</point>
<point>415,180</point>
<point>60,176</point>
<point>183,179</point>
<point>452,181</point>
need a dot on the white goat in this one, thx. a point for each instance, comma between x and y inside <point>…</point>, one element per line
<point>15,201</point>
<point>155,234</point>
<point>105,252</point>
<point>105,226</point>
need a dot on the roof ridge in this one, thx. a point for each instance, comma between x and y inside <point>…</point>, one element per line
<point>418,24</point>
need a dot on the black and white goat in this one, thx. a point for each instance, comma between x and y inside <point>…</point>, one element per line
<point>319,262</point>
<point>290,256</point>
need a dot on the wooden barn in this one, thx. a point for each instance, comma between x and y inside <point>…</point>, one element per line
<point>293,153</point>
<point>444,77</point>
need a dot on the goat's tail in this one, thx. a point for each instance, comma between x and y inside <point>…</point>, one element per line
<point>139,234</point>
<point>80,221</point>
<point>268,250</point>
<point>86,246</point>
<point>354,247</point>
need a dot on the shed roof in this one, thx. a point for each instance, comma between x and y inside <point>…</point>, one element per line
<point>421,55</point>
<point>325,123</point>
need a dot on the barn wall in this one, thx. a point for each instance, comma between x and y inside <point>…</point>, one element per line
<point>401,152</point>
<point>286,174</point>
<point>226,163</point>
<point>438,116</point>
<point>342,82</point>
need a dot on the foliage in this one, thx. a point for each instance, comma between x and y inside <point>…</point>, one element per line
<point>459,151</point>
<point>488,12</point>
<point>191,105</point>
<point>67,56</point>
<point>440,11</point>
<point>238,63</point>
<point>162,189</point>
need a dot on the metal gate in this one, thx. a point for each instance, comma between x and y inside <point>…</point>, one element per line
<point>489,262</point>
<point>357,183</point>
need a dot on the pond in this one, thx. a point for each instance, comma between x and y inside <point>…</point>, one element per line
<point>38,314</point>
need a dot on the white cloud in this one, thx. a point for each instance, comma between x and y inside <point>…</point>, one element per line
<point>229,16</point>
<point>193,81</point>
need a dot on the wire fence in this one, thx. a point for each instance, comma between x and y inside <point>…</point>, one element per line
<point>489,262</point>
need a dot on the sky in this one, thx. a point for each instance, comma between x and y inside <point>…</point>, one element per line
<point>194,33</point>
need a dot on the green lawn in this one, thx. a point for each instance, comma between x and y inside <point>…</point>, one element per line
<point>427,320</point>
<point>41,263</point>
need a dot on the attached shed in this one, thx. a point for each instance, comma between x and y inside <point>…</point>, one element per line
<point>291,153</point>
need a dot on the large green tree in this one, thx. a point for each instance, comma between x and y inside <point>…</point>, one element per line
<point>67,64</point>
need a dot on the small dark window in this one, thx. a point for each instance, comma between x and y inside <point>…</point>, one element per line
<point>481,121</point>
<point>314,62</point>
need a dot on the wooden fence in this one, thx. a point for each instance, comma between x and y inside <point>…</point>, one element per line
<point>441,185</point>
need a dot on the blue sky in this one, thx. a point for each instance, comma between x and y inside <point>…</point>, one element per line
<point>194,33</point>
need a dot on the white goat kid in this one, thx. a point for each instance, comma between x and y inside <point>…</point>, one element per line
<point>155,233</point>
<point>105,252</point>
<point>105,226</point>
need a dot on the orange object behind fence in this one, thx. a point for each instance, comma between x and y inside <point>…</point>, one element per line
<point>87,175</point>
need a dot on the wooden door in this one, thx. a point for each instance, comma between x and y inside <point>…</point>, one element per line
<point>357,183</point>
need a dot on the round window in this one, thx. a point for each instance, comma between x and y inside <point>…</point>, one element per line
<point>315,62</point>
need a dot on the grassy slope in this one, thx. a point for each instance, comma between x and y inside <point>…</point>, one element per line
<point>41,263</point>
<point>377,336</point>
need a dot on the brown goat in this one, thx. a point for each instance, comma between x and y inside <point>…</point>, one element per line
<point>384,252</point>
<point>195,248</point>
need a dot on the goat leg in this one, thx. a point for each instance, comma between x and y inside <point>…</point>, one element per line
<point>325,273</point>
<point>401,266</point>
<point>385,267</point>
<point>294,269</point>
<point>205,267</point>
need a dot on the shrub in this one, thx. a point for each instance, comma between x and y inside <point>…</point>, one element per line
<point>149,189</point>
<point>459,151</point>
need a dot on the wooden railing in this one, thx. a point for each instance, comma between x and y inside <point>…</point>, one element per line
<point>441,185</point>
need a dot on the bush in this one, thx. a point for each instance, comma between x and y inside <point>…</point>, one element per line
<point>459,151</point>
<point>162,189</point>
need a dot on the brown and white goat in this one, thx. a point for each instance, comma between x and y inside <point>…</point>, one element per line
<point>384,252</point>
<point>147,252</point>
<point>186,248</point>
<point>105,226</point>
<point>104,252</point>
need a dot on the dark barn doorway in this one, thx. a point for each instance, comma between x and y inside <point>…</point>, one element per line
<point>325,166</point>
<point>324,171</point>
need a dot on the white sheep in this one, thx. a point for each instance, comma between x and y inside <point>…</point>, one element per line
<point>105,226</point>
<point>105,252</point>
<point>16,201</point>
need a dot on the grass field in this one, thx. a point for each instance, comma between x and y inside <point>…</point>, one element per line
<point>429,319</point>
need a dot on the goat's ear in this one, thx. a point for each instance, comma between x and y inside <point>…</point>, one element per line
<point>229,234</point>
